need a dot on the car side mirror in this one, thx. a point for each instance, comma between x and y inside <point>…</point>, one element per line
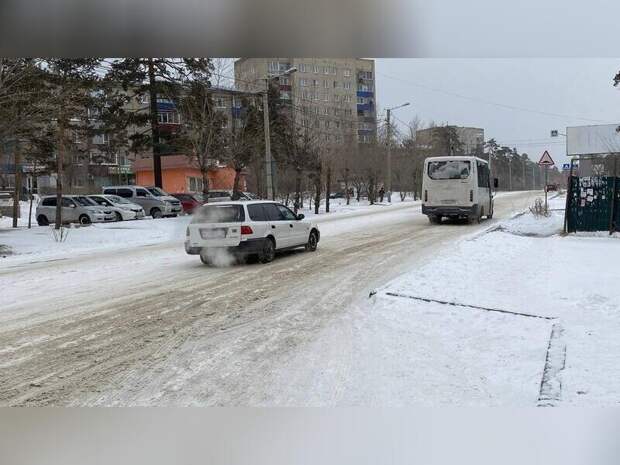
<point>495,183</point>
<point>301,216</point>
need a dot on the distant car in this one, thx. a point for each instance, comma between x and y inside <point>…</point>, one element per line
<point>552,187</point>
<point>156,206</point>
<point>241,228</point>
<point>337,195</point>
<point>123,209</point>
<point>75,209</point>
<point>189,202</point>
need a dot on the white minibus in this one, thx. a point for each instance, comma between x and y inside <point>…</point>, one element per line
<point>457,187</point>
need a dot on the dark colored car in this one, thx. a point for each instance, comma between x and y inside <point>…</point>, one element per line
<point>188,201</point>
<point>552,187</point>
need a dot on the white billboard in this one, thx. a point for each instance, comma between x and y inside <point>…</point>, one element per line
<point>590,140</point>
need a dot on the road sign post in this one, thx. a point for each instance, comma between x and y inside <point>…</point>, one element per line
<point>546,161</point>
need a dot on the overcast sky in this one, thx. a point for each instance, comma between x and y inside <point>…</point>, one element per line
<point>555,92</point>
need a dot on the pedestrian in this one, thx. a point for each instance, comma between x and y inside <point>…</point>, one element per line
<point>381,194</point>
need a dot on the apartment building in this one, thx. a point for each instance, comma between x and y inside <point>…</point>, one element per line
<point>451,140</point>
<point>335,98</point>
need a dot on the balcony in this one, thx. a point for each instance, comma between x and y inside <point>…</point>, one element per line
<point>364,107</point>
<point>364,93</point>
<point>165,106</point>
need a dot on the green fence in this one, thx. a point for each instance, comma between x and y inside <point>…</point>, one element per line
<point>593,204</point>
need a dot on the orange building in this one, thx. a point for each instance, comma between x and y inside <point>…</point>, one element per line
<point>180,174</point>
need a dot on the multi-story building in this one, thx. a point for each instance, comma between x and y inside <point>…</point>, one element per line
<point>451,140</point>
<point>333,97</point>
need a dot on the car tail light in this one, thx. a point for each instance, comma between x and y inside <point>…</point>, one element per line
<point>246,230</point>
<point>471,195</point>
<point>426,196</point>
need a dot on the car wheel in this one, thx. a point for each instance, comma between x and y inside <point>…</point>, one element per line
<point>313,241</point>
<point>434,219</point>
<point>84,219</point>
<point>269,251</point>
<point>155,213</point>
<point>119,217</point>
<point>42,220</point>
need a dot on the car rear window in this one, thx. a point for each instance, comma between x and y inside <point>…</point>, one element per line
<point>49,202</point>
<point>219,214</point>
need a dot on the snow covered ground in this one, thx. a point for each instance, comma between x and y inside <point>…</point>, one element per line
<point>525,266</point>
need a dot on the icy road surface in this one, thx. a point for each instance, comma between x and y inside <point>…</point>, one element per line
<point>153,326</point>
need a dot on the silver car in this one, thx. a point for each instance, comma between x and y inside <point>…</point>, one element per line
<point>75,209</point>
<point>122,208</point>
<point>155,206</point>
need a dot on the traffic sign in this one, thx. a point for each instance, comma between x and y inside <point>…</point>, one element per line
<point>566,167</point>
<point>546,160</point>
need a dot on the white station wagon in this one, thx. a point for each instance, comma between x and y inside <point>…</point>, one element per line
<point>244,228</point>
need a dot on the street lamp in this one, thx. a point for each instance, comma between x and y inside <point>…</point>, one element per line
<point>271,192</point>
<point>389,150</point>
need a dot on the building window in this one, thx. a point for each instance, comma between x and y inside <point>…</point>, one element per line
<point>326,97</point>
<point>346,85</point>
<point>347,99</point>
<point>315,83</point>
<point>315,96</point>
<point>326,70</point>
<point>327,124</point>
<point>366,74</point>
<point>303,68</point>
<point>365,88</point>
<point>336,85</point>
<point>361,100</point>
<point>347,72</point>
<point>303,82</point>
<point>316,69</point>
<point>101,139</point>
<point>219,102</point>
<point>325,111</point>
<point>168,117</point>
<point>348,112</point>
<point>326,84</point>
<point>194,184</point>
<point>284,81</point>
<point>333,70</point>
<point>285,95</point>
<point>316,123</point>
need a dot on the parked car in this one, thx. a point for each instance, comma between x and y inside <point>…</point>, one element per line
<point>163,195</point>
<point>122,208</point>
<point>337,195</point>
<point>189,202</point>
<point>155,206</point>
<point>244,228</point>
<point>552,187</point>
<point>226,196</point>
<point>75,209</point>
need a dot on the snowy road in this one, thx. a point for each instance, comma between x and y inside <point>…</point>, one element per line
<point>153,326</point>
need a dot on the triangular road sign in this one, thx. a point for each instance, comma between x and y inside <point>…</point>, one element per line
<point>546,160</point>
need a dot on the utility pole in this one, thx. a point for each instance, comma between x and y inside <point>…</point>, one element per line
<point>524,184</point>
<point>154,125</point>
<point>389,150</point>
<point>389,157</point>
<point>268,164</point>
<point>18,183</point>
<point>509,173</point>
<point>533,178</point>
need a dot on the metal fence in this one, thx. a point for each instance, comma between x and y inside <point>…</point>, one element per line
<point>593,204</point>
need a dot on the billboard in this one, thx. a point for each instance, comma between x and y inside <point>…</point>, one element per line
<point>592,140</point>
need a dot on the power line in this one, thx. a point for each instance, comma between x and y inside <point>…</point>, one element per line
<point>489,102</point>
